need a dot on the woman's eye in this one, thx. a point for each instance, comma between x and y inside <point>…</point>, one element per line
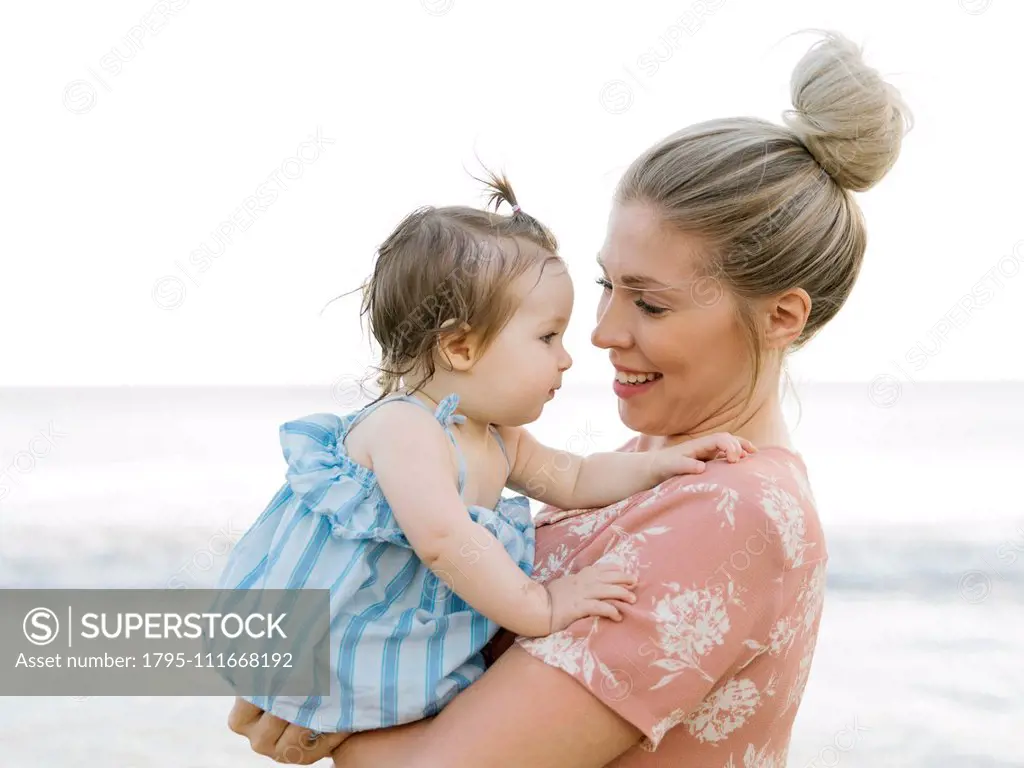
<point>649,309</point>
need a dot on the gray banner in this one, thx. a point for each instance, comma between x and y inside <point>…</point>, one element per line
<point>164,642</point>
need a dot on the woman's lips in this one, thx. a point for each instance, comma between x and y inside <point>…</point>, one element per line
<point>625,390</point>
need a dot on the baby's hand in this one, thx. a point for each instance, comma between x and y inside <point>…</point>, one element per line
<point>591,591</point>
<point>689,457</point>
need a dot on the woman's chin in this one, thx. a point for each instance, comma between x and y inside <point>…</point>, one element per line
<point>631,414</point>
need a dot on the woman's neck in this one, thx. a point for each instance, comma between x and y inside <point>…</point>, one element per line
<point>761,422</point>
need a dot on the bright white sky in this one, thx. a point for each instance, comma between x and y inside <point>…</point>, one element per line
<point>111,183</point>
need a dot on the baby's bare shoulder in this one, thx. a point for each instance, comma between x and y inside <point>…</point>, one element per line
<point>388,424</point>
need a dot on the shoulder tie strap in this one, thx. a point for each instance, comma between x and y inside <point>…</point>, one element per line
<point>446,416</point>
<point>445,412</point>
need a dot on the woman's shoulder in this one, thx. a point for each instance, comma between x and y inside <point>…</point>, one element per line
<point>766,494</point>
<point>769,471</point>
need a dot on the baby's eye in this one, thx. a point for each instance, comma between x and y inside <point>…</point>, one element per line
<point>548,337</point>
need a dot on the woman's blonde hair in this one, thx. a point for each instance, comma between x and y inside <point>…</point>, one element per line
<point>444,270</point>
<point>774,202</point>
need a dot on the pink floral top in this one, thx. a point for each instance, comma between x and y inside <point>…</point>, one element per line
<point>711,661</point>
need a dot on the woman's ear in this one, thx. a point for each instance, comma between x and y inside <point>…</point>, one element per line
<point>457,347</point>
<point>787,316</point>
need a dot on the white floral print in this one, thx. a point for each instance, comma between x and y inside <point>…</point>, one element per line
<point>586,524</point>
<point>724,710</point>
<point>553,564</point>
<point>787,514</point>
<point>812,596</point>
<point>690,624</point>
<point>712,678</point>
<point>562,650</point>
<point>780,639</point>
<point>797,691</point>
<point>623,548</point>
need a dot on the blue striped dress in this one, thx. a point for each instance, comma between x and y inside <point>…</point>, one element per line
<point>402,644</point>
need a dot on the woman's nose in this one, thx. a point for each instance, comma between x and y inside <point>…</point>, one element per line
<point>610,332</point>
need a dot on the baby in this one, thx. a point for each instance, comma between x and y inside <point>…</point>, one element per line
<point>397,508</point>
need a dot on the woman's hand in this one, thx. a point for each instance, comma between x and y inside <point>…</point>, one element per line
<point>278,739</point>
<point>689,457</point>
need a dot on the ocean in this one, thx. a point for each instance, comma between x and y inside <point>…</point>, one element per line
<point>920,659</point>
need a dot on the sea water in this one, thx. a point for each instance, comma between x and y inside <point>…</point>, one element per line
<point>920,659</point>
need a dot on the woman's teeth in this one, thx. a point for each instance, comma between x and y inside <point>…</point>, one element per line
<point>635,378</point>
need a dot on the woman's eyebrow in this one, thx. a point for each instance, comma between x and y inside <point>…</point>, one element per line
<point>639,282</point>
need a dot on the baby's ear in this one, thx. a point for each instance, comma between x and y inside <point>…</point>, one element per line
<point>457,345</point>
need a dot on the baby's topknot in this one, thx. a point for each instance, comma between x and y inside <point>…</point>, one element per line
<point>443,270</point>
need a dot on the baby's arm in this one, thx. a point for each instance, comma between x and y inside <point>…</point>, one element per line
<point>410,457</point>
<point>568,481</point>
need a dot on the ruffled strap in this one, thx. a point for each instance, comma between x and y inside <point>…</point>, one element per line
<point>319,472</point>
<point>328,482</point>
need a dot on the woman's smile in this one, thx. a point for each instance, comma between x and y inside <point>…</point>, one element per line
<point>630,383</point>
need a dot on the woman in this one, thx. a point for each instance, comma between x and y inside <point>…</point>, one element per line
<point>730,243</point>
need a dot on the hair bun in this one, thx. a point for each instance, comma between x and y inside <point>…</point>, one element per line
<point>848,117</point>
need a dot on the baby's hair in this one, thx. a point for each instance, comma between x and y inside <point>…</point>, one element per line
<point>443,270</point>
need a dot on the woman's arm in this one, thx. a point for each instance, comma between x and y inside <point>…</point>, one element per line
<point>273,737</point>
<point>568,481</point>
<point>522,712</point>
